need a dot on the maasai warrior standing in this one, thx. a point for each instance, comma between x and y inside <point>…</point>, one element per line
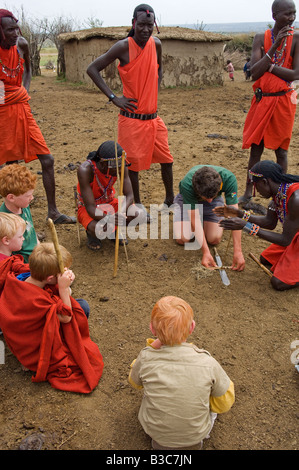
<point>141,132</point>
<point>283,254</point>
<point>274,65</point>
<point>21,138</point>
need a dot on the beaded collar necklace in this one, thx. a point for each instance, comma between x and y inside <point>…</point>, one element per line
<point>280,201</point>
<point>12,73</point>
<point>279,55</point>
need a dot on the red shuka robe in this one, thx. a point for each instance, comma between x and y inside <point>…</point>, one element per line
<point>104,195</point>
<point>285,259</point>
<point>272,118</point>
<point>21,138</point>
<point>145,142</point>
<point>61,353</point>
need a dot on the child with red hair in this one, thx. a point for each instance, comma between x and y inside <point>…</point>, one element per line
<point>17,185</point>
<point>184,387</point>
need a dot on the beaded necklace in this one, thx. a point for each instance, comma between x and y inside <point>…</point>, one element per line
<point>12,73</point>
<point>279,57</point>
<point>280,201</point>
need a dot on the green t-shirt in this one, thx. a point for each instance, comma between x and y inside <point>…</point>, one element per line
<point>229,187</point>
<point>29,235</point>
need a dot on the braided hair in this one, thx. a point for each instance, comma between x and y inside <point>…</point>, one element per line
<point>106,151</point>
<point>270,170</point>
<point>145,8</point>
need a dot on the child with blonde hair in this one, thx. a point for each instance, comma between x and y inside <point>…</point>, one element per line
<point>17,185</point>
<point>12,228</point>
<point>45,327</point>
<point>183,385</point>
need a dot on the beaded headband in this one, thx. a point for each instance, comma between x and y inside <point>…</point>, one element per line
<point>257,175</point>
<point>112,161</point>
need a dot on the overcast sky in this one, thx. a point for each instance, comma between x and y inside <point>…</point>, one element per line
<point>120,12</point>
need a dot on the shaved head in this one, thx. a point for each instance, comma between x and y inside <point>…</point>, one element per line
<point>278,5</point>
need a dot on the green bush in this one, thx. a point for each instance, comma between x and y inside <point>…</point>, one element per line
<point>241,43</point>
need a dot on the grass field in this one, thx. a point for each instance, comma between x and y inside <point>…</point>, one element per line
<point>48,54</point>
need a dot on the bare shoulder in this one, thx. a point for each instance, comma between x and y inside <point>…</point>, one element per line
<point>157,41</point>
<point>121,46</point>
<point>259,39</point>
<point>296,37</point>
<point>293,205</point>
<point>85,170</point>
<point>23,44</point>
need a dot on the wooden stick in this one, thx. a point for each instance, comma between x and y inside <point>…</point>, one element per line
<point>116,163</point>
<point>213,268</point>
<point>76,214</point>
<point>261,265</point>
<point>56,245</point>
<point>122,173</point>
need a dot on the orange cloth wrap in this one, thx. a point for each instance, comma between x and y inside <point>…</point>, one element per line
<point>21,138</point>
<point>61,353</point>
<point>272,118</point>
<point>108,204</point>
<point>145,142</point>
<point>285,259</point>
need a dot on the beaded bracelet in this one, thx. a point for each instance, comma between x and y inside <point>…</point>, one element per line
<point>246,215</point>
<point>271,68</point>
<point>251,229</point>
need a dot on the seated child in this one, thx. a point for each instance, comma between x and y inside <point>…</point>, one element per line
<point>12,228</point>
<point>17,185</point>
<point>182,384</point>
<point>45,328</point>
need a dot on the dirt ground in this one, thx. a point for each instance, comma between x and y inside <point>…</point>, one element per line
<point>248,327</point>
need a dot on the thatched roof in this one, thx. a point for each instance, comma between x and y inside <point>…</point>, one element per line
<point>120,32</point>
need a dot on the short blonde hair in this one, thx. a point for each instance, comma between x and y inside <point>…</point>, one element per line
<point>16,179</point>
<point>171,319</point>
<point>43,261</point>
<point>10,224</point>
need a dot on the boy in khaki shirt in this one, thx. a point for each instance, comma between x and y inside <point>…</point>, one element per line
<point>183,386</point>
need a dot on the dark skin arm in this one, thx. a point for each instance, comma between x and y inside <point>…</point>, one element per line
<point>290,226</point>
<point>260,63</point>
<point>25,54</point>
<point>119,51</point>
<point>85,178</point>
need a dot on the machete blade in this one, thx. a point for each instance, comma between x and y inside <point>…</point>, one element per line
<point>222,272</point>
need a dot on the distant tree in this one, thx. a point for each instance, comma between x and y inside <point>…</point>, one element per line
<point>92,23</point>
<point>35,32</point>
<point>38,31</point>
<point>55,28</point>
<point>199,26</point>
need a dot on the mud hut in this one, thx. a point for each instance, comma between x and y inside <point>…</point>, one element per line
<point>190,57</point>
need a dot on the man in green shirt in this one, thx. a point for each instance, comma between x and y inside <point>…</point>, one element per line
<point>200,192</point>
